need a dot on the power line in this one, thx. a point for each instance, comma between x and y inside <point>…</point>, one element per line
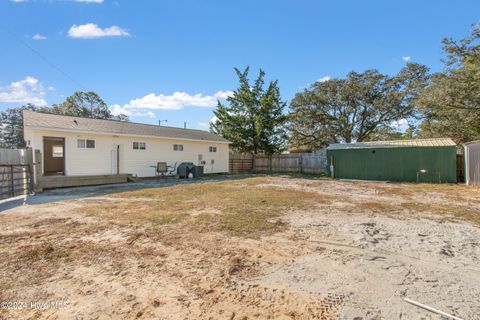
<point>66,75</point>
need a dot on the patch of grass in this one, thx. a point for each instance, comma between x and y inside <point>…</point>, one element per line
<point>250,225</point>
<point>375,206</point>
<point>238,207</point>
<point>452,191</point>
<point>168,219</point>
<point>297,175</point>
<point>449,211</point>
<point>394,191</point>
<point>43,252</point>
<point>416,207</point>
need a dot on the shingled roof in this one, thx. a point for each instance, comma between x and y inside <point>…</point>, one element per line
<point>67,123</point>
<point>440,142</point>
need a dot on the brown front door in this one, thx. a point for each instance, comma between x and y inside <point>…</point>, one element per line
<point>53,156</point>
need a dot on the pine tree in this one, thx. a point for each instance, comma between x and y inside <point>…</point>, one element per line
<point>253,119</point>
<point>11,127</point>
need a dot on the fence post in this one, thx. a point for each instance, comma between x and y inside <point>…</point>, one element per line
<point>270,163</point>
<point>254,163</point>
<point>300,163</point>
<point>38,170</point>
<point>12,181</point>
<point>30,177</point>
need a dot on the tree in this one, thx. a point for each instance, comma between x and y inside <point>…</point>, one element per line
<point>80,104</point>
<point>451,103</point>
<point>362,106</point>
<point>84,104</point>
<point>11,129</point>
<point>253,120</point>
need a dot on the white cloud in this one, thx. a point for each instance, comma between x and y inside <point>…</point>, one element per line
<point>39,37</point>
<point>213,119</point>
<point>118,109</point>
<point>90,1</point>
<point>18,1</point>
<point>323,79</point>
<point>91,31</point>
<point>223,94</point>
<point>28,90</point>
<point>178,100</point>
<point>406,58</point>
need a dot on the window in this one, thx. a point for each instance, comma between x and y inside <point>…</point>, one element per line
<point>212,149</point>
<point>57,151</point>
<point>139,146</point>
<point>86,143</point>
<point>178,147</point>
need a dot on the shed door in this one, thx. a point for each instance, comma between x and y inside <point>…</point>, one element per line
<point>53,156</point>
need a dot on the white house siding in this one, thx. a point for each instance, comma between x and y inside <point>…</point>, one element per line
<point>101,160</point>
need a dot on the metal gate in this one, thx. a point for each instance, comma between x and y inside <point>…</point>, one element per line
<point>15,180</point>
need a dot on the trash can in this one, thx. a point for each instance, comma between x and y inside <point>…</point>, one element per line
<point>198,171</point>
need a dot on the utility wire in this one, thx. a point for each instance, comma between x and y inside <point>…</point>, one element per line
<point>51,64</point>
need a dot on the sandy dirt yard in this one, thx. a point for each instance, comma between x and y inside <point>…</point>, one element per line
<point>260,247</point>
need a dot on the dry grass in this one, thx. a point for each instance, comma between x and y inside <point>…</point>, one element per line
<point>184,232</point>
<point>374,206</point>
<point>243,208</point>
<point>418,209</point>
<point>42,252</point>
<point>448,211</point>
<point>253,207</point>
<point>460,194</point>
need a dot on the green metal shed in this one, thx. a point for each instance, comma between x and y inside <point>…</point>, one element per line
<point>421,160</point>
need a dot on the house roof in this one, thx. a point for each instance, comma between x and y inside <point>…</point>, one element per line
<point>440,142</point>
<point>115,127</point>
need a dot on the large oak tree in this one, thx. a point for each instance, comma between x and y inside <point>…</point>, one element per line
<point>451,103</point>
<point>360,107</point>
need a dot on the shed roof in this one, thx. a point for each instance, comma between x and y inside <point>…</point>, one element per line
<point>78,124</point>
<point>440,142</point>
<point>472,142</point>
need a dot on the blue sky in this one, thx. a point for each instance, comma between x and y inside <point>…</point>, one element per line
<point>171,59</point>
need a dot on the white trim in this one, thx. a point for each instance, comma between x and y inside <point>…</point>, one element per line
<point>471,142</point>
<point>466,163</point>
<point>121,134</point>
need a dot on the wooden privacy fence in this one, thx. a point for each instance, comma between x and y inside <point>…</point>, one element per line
<point>16,172</point>
<point>293,163</point>
<point>241,163</point>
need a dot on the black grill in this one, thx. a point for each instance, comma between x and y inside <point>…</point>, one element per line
<point>184,169</point>
<point>188,167</point>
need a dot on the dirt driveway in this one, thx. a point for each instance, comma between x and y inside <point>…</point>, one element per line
<point>250,248</point>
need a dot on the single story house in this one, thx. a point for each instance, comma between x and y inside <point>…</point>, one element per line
<point>421,160</point>
<point>75,146</point>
